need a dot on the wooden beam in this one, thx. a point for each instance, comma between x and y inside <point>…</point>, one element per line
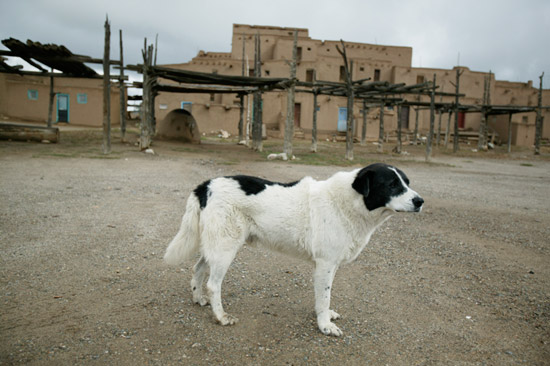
<point>17,132</point>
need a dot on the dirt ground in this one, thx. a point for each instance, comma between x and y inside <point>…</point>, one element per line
<point>465,282</point>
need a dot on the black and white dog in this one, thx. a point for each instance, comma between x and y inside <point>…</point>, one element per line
<point>327,222</point>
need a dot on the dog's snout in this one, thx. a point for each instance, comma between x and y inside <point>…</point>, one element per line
<point>418,202</point>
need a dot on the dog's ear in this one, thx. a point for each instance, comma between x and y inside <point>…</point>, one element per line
<point>361,182</point>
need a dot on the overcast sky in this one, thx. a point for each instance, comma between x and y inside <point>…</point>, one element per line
<point>511,38</point>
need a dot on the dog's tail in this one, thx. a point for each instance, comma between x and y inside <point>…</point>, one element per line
<point>187,240</point>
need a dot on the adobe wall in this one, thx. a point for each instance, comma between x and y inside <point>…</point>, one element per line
<point>17,105</point>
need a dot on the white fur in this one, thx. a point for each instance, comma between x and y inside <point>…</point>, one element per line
<point>325,222</point>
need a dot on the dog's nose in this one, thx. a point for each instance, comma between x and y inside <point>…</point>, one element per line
<point>418,202</point>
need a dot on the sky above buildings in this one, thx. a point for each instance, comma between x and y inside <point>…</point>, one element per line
<point>510,38</point>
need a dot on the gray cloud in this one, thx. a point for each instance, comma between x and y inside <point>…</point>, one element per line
<point>508,37</point>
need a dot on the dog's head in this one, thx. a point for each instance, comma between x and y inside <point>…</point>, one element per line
<point>383,185</point>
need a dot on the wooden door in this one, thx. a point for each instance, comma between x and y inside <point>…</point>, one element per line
<point>62,107</point>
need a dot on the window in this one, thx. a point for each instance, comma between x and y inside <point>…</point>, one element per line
<point>376,74</point>
<point>266,72</point>
<point>525,119</point>
<point>309,75</point>
<point>82,98</point>
<point>32,94</point>
<point>187,106</point>
<point>342,73</point>
<point>419,79</point>
<point>298,54</point>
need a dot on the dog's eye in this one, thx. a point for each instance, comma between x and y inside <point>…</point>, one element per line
<point>395,184</point>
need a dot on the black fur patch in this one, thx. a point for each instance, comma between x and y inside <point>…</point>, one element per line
<point>254,185</point>
<point>378,184</point>
<point>202,193</point>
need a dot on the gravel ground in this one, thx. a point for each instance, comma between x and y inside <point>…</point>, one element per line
<point>466,282</point>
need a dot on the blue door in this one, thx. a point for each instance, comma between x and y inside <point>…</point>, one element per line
<point>342,119</point>
<point>62,107</point>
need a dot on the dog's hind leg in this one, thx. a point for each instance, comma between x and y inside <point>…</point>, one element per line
<point>219,264</point>
<point>197,282</point>
<point>322,279</point>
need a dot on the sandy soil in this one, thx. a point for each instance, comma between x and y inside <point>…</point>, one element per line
<point>466,282</point>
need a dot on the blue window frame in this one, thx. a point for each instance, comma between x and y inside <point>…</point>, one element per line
<point>187,106</point>
<point>82,98</point>
<point>32,94</point>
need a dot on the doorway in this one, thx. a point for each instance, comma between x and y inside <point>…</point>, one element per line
<point>62,108</point>
<point>297,113</point>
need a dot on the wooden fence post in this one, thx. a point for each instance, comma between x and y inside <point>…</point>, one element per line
<point>432,122</point>
<point>107,91</point>
<point>455,136</point>
<point>538,123</point>
<point>509,133</point>
<point>380,147</point>
<point>314,128</point>
<point>399,142</point>
<point>364,129</point>
<point>122,93</point>
<point>257,143</point>
<point>415,126</point>
<point>289,125</point>
<point>51,100</point>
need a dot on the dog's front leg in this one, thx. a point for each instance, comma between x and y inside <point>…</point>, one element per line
<point>322,279</point>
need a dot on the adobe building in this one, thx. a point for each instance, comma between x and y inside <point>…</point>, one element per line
<point>78,101</point>
<point>213,112</point>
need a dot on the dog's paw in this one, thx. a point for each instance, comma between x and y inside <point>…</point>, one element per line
<point>202,301</point>
<point>331,329</point>
<point>334,315</point>
<point>227,319</point>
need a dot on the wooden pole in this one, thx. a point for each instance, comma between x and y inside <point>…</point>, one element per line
<point>538,123</point>
<point>107,91</point>
<point>432,122</point>
<point>289,125</point>
<point>257,143</point>
<point>438,138</point>
<point>455,136</point>
<point>122,93</point>
<point>399,142</point>
<point>350,121</point>
<point>380,147</point>
<point>509,133</point>
<point>415,126</point>
<point>51,100</point>
<point>241,99</point>
<point>482,138</point>
<point>146,104</point>
<point>364,129</point>
<point>314,127</point>
<point>447,130</point>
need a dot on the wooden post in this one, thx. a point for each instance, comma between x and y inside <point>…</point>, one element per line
<point>509,133</point>
<point>483,126</point>
<point>241,99</point>
<point>399,143</point>
<point>51,100</point>
<point>257,143</point>
<point>438,138</point>
<point>122,93</point>
<point>350,121</point>
<point>448,128</point>
<point>415,126</point>
<point>538,123</point>
<point>432,122</point>
<point>455,136</point>
<point>289,125</point>
<point>107,91</point>
<point>364,129</point>
<point>349,92</point>
<point>314,128</point>
<point>241,118</point>
<point>380,147</point>
<point>146,135</point>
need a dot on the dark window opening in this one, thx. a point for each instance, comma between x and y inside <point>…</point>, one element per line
<point>419,79</point>
<point>342,73</point>
<point>376,74</point>
<point>309,75</point>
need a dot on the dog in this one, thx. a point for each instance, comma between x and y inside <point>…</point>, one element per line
<point>326,222</point>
